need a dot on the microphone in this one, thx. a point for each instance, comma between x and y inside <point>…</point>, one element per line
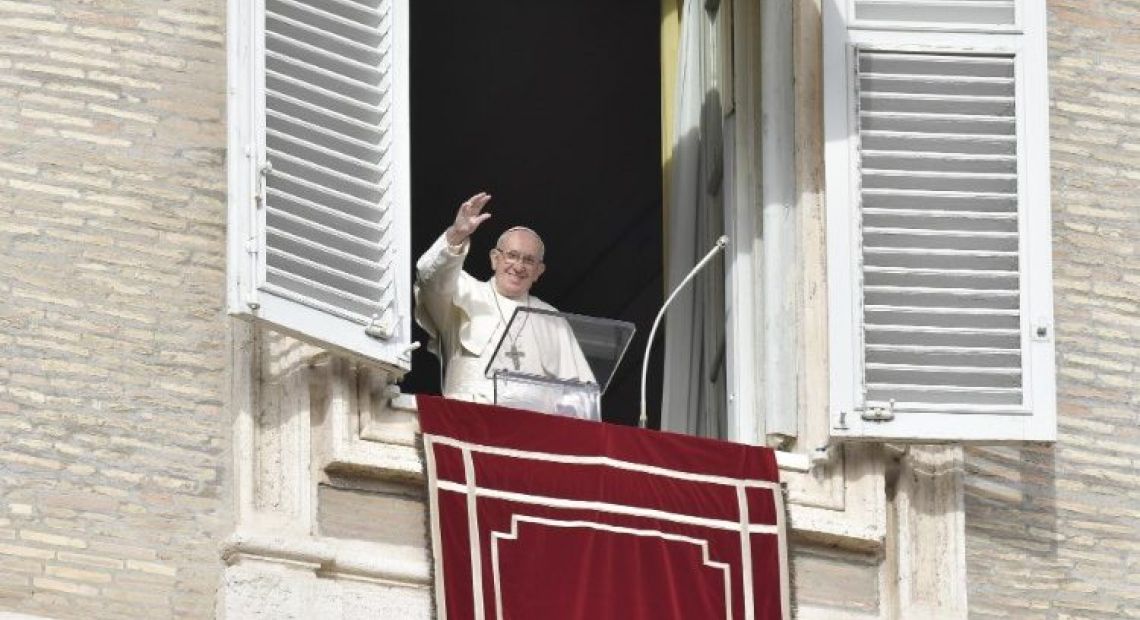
<point>720,243</point>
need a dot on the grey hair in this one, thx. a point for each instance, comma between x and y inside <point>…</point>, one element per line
<point>541,245</point>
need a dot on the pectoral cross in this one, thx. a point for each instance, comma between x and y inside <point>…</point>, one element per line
<point>515,355</point>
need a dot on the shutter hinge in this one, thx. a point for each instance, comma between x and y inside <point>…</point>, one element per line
<point>251,248</point>
<point>263,173</point>
<point>878,413</point>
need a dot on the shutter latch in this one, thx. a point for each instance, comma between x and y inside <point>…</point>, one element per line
<point>879,413</point>
<point>382,326</point>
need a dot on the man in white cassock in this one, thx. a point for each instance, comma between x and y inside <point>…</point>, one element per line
<point>466,317</point>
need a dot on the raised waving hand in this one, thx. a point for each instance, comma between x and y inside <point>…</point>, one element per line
<point>468,218</point>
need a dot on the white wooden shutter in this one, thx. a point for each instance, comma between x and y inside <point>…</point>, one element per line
<point>318,172</point>
<point>939,275</point>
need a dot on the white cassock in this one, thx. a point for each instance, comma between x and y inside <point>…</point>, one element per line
<point>466,318</point>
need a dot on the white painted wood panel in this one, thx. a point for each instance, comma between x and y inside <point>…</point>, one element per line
<point>938,226</point>
<point>319,191</point>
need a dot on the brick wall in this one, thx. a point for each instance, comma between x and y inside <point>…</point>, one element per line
<point>1054,531</point>
<point>112,194</point>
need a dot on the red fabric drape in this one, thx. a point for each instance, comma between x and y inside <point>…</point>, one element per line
<point>544,517</point>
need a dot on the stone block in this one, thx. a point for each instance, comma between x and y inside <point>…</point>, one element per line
<point>836,580</point>
<point>393,516</point>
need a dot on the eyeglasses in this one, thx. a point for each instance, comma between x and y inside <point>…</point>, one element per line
<point>512,257</point>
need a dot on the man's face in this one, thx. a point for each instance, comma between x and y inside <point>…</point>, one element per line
<point>517,264</point>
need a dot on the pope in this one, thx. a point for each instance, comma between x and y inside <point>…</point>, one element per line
<point>466,317</point>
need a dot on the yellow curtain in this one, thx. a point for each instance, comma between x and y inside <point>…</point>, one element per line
<point>670,41</point>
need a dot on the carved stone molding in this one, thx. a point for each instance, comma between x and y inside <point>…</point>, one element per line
<point>358,431</point>
<point>296,417</point>
<point>927,552</point>
<point>328,557</point>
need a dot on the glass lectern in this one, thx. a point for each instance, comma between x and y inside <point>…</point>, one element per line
<point>557,362</point>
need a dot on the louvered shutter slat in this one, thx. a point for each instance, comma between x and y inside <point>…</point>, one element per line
<point>323,135</point>
<point>330,299</point>
<point>322,31</point>
<point>987,12</point>
<point>300,163</point>
<point>330,120</point>
<point>366,268</point>
<point>946,370</point>
<point>333,159</point>
<point>949,317</point>
<point>938,296</point>
<point>316,273</point>
<point>979,277</point>
<point>936,123</point>
<point>360,12</point>
<point>932,181</point>
<point>282,84</point>
<point>935,396</point>
<point>317,18</point>
<point>349,225</point>
<point>360,93</point>
<point>939,159</point>
<point>288,184</point>
<point>953,253</point>
<point>943,239</point>
<point>893,198</point>
<point>975,216</point>
<point>919,84</point>
<point>341,67</point>
<point>939,142</point>
<point>982,357</point>
<point>340,240</point>
<point>938,220</point>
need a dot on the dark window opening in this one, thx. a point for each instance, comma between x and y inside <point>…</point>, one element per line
<point>554,109</point>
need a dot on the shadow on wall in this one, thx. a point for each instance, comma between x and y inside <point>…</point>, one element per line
<point>1011,519</point>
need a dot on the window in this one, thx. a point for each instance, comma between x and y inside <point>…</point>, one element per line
<point>939,276</point>
<point>318,172</point>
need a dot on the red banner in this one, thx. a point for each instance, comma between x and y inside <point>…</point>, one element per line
<point>543,517</point>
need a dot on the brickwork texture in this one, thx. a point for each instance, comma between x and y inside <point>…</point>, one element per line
<point>112,211</point>
<point>1054,531</point>
<point>112,437</point>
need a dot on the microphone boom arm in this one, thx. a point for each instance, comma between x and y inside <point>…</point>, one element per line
<point>720,244</point>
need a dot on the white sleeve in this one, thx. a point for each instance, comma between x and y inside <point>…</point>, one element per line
<point>437,278</point>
